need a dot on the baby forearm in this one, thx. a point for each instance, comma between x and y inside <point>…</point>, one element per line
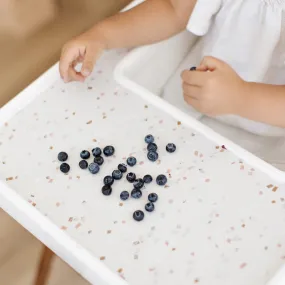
<point>264,103</point>
<point>152,21</point>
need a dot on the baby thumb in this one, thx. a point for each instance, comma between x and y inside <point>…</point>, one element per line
<point>88,63</point>
<point>211,63</point>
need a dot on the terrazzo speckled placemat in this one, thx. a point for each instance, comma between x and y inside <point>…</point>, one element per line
<point>218,221</point>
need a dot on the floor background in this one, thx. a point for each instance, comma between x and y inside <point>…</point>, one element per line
<point>23,59</point>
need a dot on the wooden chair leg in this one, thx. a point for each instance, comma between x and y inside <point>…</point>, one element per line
<point>44,267</point>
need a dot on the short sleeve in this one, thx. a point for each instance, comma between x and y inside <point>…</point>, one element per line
<point>202,16</point>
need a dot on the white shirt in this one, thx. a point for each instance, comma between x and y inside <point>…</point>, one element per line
<point>250,36</point>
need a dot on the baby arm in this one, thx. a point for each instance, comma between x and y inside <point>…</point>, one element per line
<point>221,92</point>
<point>264,103</point>
<point>149,22</point>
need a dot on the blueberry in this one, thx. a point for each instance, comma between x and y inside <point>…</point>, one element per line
<point>136,193</point>
<point>147,179</point>
<point>85,154</point>
<point>171,147</point>
<point>64,167</point>
<point>161,180</point>
<point>131,177</point>
<point>138,215</point>
<point>152,156</point>
<point>152,197</point>
<point>117,174</point>
<point>122,167</point>
<point>94,168</point>
<point>109,150</point>
<point>193,68</point>
<point>83,164</point>
<point>138,184</point>
<point>131,161</point>
<point>99,160</point>
<point>124,195</point>
<point>152,146</point>
<point>149,207</point>
<point>108,180</point>
<point>62,156</point>
<point>107,190</point>
<point>96,151</point>
<point>149,139</point>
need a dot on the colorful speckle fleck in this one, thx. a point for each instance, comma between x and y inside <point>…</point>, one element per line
<point>78,226</point>
<point>275,188</point>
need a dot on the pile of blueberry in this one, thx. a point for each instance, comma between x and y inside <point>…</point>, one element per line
<point>93,167</point>
<point>136,193</point>
<point>117,174</point>
<point>152,154</point>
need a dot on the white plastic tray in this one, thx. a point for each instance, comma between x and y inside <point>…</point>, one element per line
<point>207,224</point>
<point>215,224</point>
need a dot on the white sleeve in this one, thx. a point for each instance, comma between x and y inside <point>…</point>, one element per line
<point>202,15</point>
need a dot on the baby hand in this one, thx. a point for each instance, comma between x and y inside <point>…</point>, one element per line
<point>218,92</point>
<point>84,49</point>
